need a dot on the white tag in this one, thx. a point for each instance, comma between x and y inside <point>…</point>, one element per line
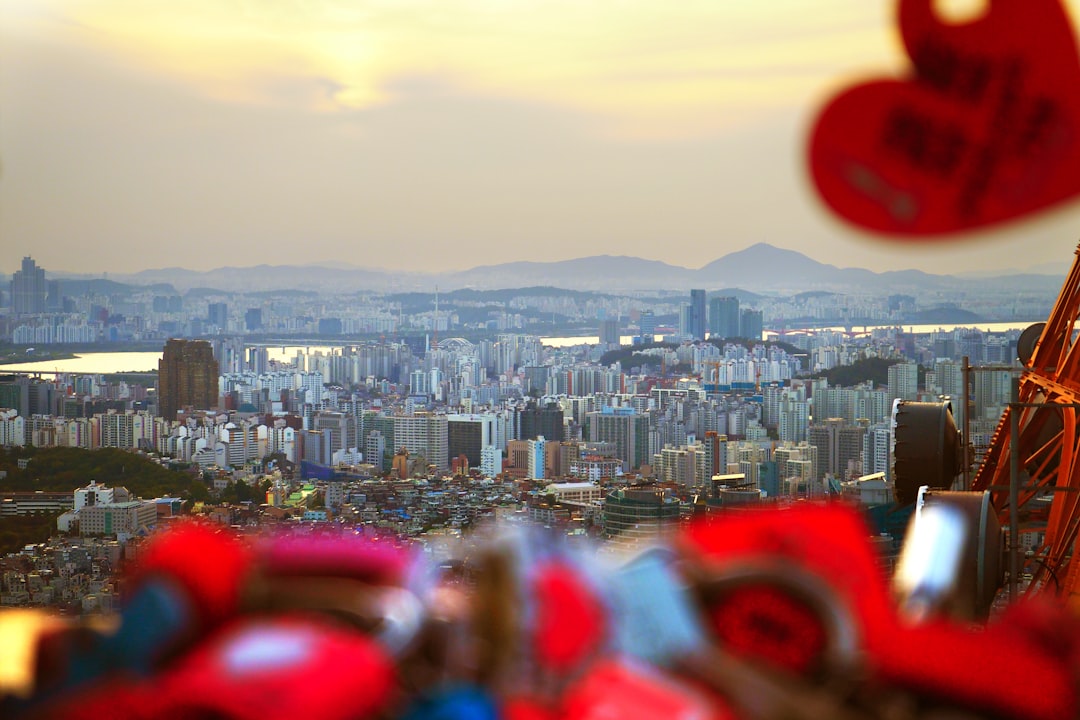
<point>261,649</point>
<point>655,619</point>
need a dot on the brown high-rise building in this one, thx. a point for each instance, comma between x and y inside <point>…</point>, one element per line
<point>187,377</point>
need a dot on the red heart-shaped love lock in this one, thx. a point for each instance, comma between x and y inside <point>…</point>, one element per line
<point>983,130</point>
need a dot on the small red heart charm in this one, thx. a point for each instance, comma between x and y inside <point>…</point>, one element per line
<point>983,130</point>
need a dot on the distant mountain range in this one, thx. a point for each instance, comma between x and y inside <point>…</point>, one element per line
<point>759,268</point>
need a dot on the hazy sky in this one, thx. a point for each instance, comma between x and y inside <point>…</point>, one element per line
<point>440,134</point>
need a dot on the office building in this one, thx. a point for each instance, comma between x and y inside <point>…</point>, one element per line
<point>468,435</point>
<point>648,324</point>
<point>724,317</point>
<point>634,516</point>
<point>534,421</point>
<point>187,377</point>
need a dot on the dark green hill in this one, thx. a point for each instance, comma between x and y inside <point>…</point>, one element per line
<point>876,370</point>
<point>60,469</point>
<point>630,355</point>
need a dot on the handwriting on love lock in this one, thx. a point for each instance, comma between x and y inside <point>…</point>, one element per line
<point>983,131</point>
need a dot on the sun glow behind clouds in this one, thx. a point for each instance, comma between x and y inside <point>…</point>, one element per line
<point>649,68</point>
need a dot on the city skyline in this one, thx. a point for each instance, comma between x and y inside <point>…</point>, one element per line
<point>441,137</point>
<point>561,274</point>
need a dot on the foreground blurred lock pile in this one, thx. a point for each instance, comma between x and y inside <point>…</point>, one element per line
<point>761,614</point>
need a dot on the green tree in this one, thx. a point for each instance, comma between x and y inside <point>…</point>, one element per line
<point>199,492</point>
<point>229,493</point>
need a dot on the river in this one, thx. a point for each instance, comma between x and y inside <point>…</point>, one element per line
<point>93,363</point>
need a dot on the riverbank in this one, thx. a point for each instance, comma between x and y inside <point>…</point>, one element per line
<point>21,357</point>
<point>129,360</point>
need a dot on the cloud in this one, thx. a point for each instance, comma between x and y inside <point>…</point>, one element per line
<point>650,68</point>
<point>430,136</point>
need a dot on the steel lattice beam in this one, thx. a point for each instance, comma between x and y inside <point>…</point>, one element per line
<point>1049,449</point>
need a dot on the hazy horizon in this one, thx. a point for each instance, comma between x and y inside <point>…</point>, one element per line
<point>441,136</point>
<point>1053,268</point>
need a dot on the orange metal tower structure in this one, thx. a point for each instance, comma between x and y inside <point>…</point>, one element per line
<point>1049,447</point>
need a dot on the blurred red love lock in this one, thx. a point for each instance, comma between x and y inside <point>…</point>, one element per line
<point>983,130</point>
<point>626,689</point>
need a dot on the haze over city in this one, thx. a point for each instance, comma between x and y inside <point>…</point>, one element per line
<point>441,136</point>
<point>506,359</point>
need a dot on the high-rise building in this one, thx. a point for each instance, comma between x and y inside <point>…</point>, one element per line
<point>53,299</point>
<point>491,461</point>
<point>796,465</point>
<point>838,445</point>
<point>686,321</point>
<point>28,288</point>
<point>609,331</point>
<point>724,317</point>
<point>993,390</point>
<point>903,379</point>
<point>973,345</point>
<point>12,428</point>
<point>217,314</point>
<point>537,456</point>
<point>187,377</point>
<point>15,394</point>
<point>338,428</point>
<point>375,449</point>
<point>536,378</point>
<point>680,465</point>
<point>423,434</point>
<point>418,382</point>
<point>534,421</point>
<point>628,430</point>
<point>877,450</point>
<point>794,418</point>
<point>315,446</point>
<point>468,435</point>
<point>647,323</point>
<point>751,325</point>
<point>229,353</point>
<point>696,325</point>
<point>252,319</point>
<point>258,359</point>
<point>125,430</point>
